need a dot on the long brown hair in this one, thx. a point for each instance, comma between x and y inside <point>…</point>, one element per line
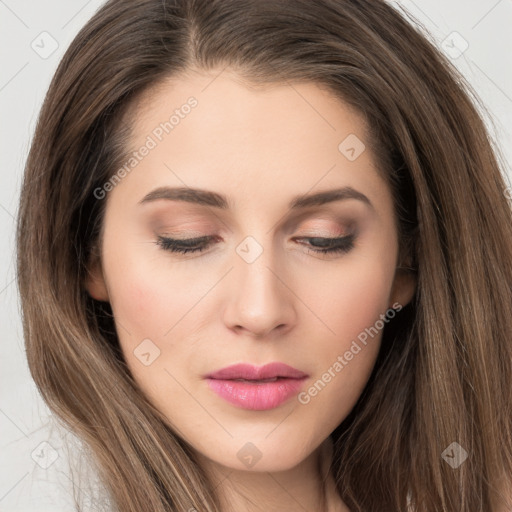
<point>443,371</point>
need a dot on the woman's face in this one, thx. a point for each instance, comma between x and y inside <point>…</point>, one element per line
<point>260,291</point>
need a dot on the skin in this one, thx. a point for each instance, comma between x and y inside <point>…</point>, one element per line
<point>259,146</point>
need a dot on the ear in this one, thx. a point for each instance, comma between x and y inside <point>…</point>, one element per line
<point>404,286</point>
<point>95,280</point>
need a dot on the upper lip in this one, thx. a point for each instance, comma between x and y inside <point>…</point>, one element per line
<point>251,372</point>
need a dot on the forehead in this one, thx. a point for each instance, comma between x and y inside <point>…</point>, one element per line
<point>237,137</point>
<point>227,104</point>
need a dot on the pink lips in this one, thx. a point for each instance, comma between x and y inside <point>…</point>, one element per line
<point>256,388</point>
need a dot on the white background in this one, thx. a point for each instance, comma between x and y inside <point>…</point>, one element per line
<point>26,485</point>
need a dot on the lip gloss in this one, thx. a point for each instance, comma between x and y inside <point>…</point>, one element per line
<point>256,395</point>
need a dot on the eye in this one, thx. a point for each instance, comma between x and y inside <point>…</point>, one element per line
<point>316,244</point>
<point>184,245</point>
<point>341,244</point>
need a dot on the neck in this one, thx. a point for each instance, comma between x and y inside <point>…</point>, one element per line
<point>307,486</point>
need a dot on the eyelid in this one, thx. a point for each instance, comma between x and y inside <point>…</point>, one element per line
<point>333,246</point>
<point>160,220</point>
<point>308,234</point>
<point>340,229</point>
<point>325,234</point>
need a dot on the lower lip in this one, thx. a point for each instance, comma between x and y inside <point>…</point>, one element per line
<point>256,396</point>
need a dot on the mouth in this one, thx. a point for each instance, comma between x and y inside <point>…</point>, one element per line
<point>250,372</point>
<point>256,388</point>
<point>257,381</point>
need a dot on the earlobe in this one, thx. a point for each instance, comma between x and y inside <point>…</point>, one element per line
<point>95,282</point>
<point>404,287</point>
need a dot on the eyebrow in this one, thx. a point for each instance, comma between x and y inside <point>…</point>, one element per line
<point>216,200</point>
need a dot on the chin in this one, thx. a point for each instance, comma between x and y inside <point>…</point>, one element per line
<point>262,456</point>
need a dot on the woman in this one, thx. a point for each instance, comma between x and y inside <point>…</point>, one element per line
<point>265,262</point>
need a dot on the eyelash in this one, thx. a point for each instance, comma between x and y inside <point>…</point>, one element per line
<point>335,245</point>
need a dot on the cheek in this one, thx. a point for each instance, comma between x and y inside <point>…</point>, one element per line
<point>139,306</point>
<point>350,299</point>
<point>350,304</point>
<point>156,301</point>
<point>145,310</point>
<point>148,295</point>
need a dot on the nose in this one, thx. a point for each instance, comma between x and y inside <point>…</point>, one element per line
<point>260,299</point>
